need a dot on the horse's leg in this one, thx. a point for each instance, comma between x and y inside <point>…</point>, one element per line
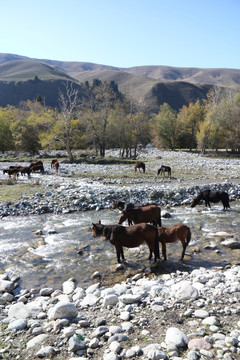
<point>119,251</point>
<point>150,254</point>
<point>163,244</point>
<point>184,245</point>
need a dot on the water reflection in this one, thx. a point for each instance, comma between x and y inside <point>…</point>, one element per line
<point>52,257</point>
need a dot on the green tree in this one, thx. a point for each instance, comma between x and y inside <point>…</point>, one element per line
<point>6,138</point>
<point>167,126</point>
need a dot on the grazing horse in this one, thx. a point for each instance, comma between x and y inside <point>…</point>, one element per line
<point>147,214</point>
<point>55,164</point>
<point>140,165</point>
<point>12,171</point>
<point>130,237</point>
<point>172,234</point>
<point>164,169</point>
<point>25,170</point>
<point>37,168</point>
<point>212,196</point>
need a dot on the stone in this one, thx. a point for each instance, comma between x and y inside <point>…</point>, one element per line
<point>62,310</point>
<point>75,343</point>
<point>184,291</point>
<point>18,324</point>
<point>176,337</point>
<point>199,344</point>
<point>39,339</point>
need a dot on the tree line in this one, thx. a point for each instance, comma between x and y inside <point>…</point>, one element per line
<point>104,118</point>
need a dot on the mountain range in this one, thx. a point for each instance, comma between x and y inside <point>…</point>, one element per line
<point>23,78</point>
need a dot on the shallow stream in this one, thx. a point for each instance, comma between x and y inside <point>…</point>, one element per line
<point>51,257</point>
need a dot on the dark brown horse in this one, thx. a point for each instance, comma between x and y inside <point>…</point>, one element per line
<point>210,196</point>
<point>12,171</point>
<point>172,234</point>
<point>36,163</point>
<point>130,237</point>
<point>37,168</point>
<point>147,214</point>
<point>55,164</point>
<point>164,169</point>
<point>25,170</point>
<point>140,165</point>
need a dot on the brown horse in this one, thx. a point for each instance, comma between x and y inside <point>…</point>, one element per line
<point>172,234</point>
<point>37,168</point>
<point>130,237</point>
<point>121,205</point>
<point>25,170</point>
<point>147,214</point>
<point>55,164</point>
<point>12,171</point>
<point>164,169</point>
<point>36,163</point>
<point>140,165</point>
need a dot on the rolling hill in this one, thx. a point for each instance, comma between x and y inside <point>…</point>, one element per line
<point>21,78</point>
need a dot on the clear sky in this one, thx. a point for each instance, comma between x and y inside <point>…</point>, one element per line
<point>124,33</point>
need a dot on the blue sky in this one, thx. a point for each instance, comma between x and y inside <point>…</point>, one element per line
<point>124,33</point>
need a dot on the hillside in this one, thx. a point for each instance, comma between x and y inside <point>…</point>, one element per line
<point>149,86</point>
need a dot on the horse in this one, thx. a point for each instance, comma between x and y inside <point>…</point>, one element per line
<point>12,171</point>
<point>37,168</point>
<point>130,237</point>
<point>163,169</point>
<point>172,234</point>
<point>121,205</point>
<point>25,170</point>
<point>36,163</point>
<point>140,165</point>
<point>147,214</point>
<point>55,164</point>
<point>212,196</point>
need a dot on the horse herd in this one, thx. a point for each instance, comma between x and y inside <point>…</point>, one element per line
<point>36,166</point>
<point>144,226</point>
<point>162,170</point>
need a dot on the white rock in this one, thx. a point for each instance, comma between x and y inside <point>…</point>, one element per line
<point>36,340</point>
<point>110,300</point>
<point>62,310</point>
<point>18,324</point>
<point>211,320</point>
<point>69,286</point>
<point>176,337</point>
<point>184,291</point>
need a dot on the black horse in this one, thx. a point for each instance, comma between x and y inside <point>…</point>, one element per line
<point>213,197</point>
<point>164,169</point>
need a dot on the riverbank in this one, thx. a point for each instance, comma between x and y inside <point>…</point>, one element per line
<point>178,316</point>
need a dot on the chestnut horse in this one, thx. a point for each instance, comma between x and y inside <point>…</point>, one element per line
<point>147,214</point>
<point>55,164</point>
<point>130,237</point>
<point>164,169</point>
<point>140,165</point>
<point>212,196</point>
<point>172,234</point>
<point>36,163</point>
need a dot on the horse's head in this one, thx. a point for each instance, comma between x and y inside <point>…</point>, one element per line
<point>197,199</point>
<point>97,229</point>
<point>123,217</point>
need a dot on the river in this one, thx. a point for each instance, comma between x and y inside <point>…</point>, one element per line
<point>44,250</point>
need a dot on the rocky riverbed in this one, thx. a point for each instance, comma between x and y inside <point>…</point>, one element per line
<point>180,315</point>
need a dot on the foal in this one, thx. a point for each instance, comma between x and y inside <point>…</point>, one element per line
<point>172,234</point>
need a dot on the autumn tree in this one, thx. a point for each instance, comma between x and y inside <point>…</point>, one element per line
<point>167,126</point>
<point>6,138</point>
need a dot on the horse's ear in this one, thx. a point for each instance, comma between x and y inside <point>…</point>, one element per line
<point>99,221</point>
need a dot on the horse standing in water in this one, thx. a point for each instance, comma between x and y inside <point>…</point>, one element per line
<point>147,214</point>
<point>172,234</point>
<point>212,196</point>
<point>130,237</point>
<point>164,169</point>
<point>140,165</point>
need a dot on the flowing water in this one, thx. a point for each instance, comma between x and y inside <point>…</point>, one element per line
<point>50,258</point>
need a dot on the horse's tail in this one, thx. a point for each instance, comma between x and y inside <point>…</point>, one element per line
<point>159,219</point>
<point>156,246</point>
<point>189,235</point>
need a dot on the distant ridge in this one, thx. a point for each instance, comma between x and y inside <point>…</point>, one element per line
<point>150,86</point>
